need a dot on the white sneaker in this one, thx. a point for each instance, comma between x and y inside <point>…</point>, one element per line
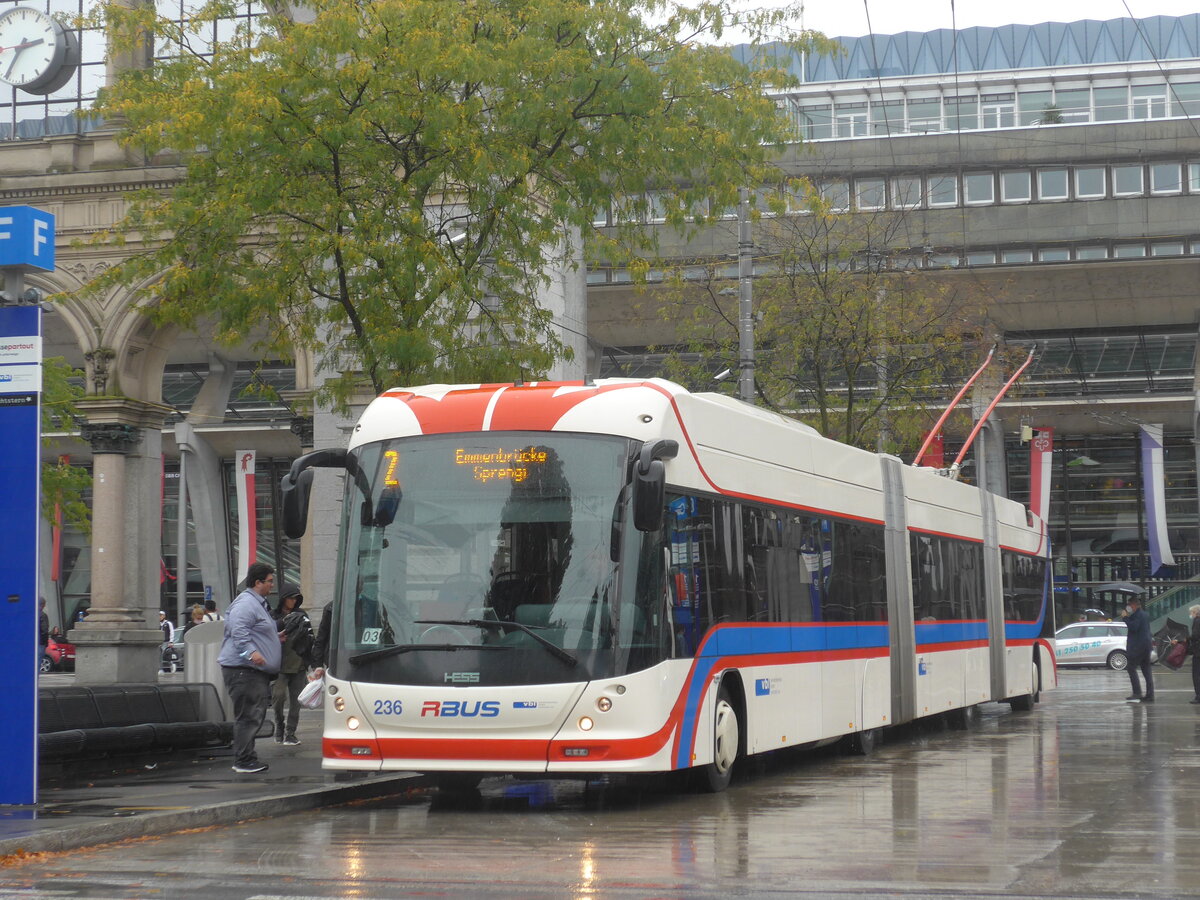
<point>252,769</point>
<point>291,741</point>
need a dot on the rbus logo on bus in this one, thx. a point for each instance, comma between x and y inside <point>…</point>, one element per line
<point>448,709</point>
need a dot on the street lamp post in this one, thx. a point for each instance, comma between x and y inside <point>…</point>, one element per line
<point>745,305</point>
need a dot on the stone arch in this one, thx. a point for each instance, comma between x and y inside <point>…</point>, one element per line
<point>140,349</point>
<point>69,326</point>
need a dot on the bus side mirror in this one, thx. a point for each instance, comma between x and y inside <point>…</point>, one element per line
<point>296,486</point>
<point>650,484</point>
<point>295,493</point>
<point>649,496</point>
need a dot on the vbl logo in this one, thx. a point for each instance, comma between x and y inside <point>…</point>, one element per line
<point>484,709</point>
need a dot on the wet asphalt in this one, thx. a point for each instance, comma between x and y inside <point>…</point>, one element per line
<point>1087,796</point>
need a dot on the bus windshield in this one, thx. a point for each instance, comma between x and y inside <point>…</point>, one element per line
<point>493,559</point>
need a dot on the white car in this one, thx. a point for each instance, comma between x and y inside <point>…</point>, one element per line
<point>1093,644</point>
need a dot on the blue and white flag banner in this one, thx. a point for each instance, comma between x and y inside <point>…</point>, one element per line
<point>1154,491</point>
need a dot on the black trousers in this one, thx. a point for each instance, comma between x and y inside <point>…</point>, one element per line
<point>1142,661</point>
<point>286,692</point>
<point>1196,674</point>
<point>250,691</point>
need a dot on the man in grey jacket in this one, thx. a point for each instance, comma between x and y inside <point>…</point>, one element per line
<point>249,658</point>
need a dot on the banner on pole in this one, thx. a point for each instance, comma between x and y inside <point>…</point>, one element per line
<point>247,514</point>
<point>1041,457</point>
<point>1155,496</point>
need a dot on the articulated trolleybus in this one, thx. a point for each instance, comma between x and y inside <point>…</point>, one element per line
<point>625,577</point>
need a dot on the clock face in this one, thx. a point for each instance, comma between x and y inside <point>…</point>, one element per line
<point>35,50</point>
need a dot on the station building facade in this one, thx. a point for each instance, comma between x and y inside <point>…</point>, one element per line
<point>1058,166</point>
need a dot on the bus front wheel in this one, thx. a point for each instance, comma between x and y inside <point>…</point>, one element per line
<point>717,774</point>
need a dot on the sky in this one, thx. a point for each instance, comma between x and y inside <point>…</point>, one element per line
<point>848,18</point>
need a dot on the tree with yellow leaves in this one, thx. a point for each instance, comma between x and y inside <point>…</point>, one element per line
<point>389,183</point>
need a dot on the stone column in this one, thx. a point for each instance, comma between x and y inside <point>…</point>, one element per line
<point>117,642</point>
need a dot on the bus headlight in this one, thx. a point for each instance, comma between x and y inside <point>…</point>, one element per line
<point>604,704</point>
<point>586,723</point>
<point>352,723</point>
<point>339,704</point>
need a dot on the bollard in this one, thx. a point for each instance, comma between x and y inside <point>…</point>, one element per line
<point>200,660</point>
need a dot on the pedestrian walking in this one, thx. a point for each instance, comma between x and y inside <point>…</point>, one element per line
<point>1138,643</point>
<point>210,611</point>
<point>250,654</point>
<point>166,626</point>
<point>195,617</point>
<point>297,632</point>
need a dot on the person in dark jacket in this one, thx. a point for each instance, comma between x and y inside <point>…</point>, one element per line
<point>1138,643</point>
<point>1194,649</point>
<point>320,652</point>
<point>297,634</point>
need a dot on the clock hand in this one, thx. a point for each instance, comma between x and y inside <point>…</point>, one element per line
<point>19,47</point>
<point>22,45</point>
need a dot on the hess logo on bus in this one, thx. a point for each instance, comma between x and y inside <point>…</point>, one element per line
<point>465,709</point>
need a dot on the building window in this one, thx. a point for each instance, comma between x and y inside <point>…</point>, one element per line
<point>656,207</point>
<point>1150,101</point>
<point>870,193</point>
<point>942,260</point>
<point>1052,184</point>
<point>943,190</point>
<point>1129,251</point>
<point>1111,104</point>
<point>1074,105</point>
<point>998,111</point>
<point>850,120</point>
<point>1091,253</point>
<point>1185,99</point>
<point>979,187</point>
<point>1054,254</point>
<point>906,193</point>
<point>1010,257</point>
<point>1015,187</point>
<point>1167,248</point>
<point>925,115</point>
<point>1193,177</point>
<point>1090,183</point>
<point>981,258</point>
<point>887,117</point>
<point>1031,106</point>
<point>836,195</point>
<point>1128,181</point>
<point>815,122</point>
<point>1165,178</point>
<point>962,113</point>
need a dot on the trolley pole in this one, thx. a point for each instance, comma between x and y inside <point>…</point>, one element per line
<point>745,304</point>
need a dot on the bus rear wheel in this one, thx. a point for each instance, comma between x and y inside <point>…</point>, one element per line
<point>716,775</point>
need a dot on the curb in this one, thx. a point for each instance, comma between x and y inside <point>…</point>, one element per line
<point>159,824</point>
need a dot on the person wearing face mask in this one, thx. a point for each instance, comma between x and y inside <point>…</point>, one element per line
<point>1137,648</point>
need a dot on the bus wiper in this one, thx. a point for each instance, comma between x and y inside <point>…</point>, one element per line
<point>395,649</point>
<point>496,623</point>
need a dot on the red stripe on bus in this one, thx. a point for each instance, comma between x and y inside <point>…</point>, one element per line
<point>945,534</point>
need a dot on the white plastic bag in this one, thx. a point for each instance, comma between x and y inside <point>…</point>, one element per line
<point>312,695</point>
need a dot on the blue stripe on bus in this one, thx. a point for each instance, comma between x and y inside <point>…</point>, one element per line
<point>951,632</point>
<point>749,640</point>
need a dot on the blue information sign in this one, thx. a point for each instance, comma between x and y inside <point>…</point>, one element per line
<point>26,238</point>
<point>20,489</point>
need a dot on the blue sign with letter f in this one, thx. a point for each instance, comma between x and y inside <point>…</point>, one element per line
<point>26,238</point>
